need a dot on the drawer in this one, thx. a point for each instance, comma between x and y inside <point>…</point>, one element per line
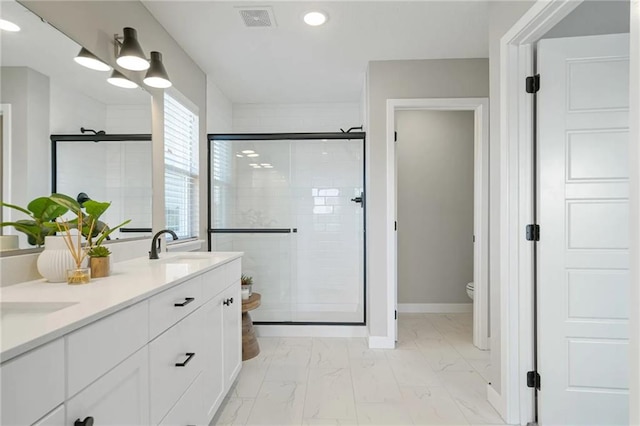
<point>189,410</point>
<point>97,348</point>
<point>54,418</point>
<point>176,359</point>
<point>213,282</point>
<point>32,384</point>
<point>170,306</point>
<point>234,271</point>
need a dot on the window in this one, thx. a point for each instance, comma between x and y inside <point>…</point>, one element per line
<point>181,168</point>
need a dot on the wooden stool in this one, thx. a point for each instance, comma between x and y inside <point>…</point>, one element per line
<point>250,346</point>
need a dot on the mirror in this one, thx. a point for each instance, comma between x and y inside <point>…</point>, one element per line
<point>45,92</point>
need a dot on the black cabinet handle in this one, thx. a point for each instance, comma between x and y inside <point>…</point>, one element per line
<point>187,300</point>
<point>231,300</point>
<point>86,422</point>
<point>190,356</point>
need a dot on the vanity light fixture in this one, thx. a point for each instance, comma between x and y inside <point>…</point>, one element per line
<point>130,55</point>
<point>91,61</point>
<point>315,18</point>
<point>157,75</point>
<point>8,26</point>
<point>117,79</point>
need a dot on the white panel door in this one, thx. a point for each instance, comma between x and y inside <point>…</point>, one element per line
<point>584,214</point>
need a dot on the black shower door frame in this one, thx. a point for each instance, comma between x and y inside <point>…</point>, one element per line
<point>211,137</point>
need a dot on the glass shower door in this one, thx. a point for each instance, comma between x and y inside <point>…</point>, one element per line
<point>288,205</point>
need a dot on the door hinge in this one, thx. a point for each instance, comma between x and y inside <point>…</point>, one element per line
<point>395,136</point>
<point>396,314</point>
<point>533,232</point>
<point>533,84</point>
<point>533,379</point>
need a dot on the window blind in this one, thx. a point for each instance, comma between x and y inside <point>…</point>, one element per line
<point>181,168</point>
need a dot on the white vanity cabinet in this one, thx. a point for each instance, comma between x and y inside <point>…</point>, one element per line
<point>168,359</point>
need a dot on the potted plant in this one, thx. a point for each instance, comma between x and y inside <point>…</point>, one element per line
<point>246,282</point>
<point>99,261</point>
<point>92,227</point>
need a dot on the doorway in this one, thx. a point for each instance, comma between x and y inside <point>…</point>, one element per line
<point>478,108</point>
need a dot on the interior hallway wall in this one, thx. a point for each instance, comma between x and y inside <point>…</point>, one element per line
<point>435,155</point>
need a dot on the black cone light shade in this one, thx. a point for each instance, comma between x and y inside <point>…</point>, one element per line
<point>89,60</point>
<point>131,56</point>
<point>157,75</point>
<point>118,79</point>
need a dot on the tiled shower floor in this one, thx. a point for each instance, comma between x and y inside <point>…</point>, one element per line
<point>435,377</point>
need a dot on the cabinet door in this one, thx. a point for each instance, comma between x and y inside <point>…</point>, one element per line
<point>120,397</point>
<point>232,333</point>
<point>213,378</point>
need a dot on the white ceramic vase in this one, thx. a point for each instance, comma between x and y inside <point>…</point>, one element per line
<point>55,259</point>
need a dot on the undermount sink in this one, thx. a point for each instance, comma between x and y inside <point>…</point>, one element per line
<point>25,310</point>
<point>187,258</point>
<point>32,308</point>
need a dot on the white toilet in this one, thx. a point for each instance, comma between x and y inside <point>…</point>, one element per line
<point>470,290</point>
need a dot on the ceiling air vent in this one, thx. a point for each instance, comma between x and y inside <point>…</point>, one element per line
<point>258,17</point>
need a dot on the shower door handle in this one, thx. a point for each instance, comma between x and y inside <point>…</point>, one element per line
<point>359,199</point>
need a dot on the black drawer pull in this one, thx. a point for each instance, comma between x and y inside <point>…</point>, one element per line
<point>86,422</point>
<point>226,302</point>
<point>231,300</point>
<point>190,356</point>
<point>187,300</point>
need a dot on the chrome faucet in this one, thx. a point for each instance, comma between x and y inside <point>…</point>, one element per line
<point>155,243</point>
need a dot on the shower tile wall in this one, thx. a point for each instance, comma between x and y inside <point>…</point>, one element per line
<point>314,274</point>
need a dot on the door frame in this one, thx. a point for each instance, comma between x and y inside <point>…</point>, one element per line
<point>480,108</point>
<point>516,172</point>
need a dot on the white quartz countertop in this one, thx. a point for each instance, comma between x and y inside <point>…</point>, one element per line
<point>36,312</point>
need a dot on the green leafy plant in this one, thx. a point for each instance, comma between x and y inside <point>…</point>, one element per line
<point>92,227</point>
<point>42,211</point>
<point>246,280</point>
<point>99,251</point>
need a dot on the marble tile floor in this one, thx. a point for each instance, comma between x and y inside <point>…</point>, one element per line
<point>435,376</point>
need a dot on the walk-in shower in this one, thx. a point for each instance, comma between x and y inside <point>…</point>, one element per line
<point>295,205</point>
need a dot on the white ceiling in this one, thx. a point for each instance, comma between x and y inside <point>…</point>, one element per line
<point>295,63</point>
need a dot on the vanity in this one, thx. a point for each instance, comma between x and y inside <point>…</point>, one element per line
<point>156,343</point>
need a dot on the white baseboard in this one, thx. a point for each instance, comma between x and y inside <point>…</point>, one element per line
<point>495,399</point>
<point>311,330</point>
<point>435,308</point>
<point>381,342</point>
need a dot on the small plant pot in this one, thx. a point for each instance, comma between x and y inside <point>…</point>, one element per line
<point>100,266</point>
<point>78,276</point>
<point>246,291</point>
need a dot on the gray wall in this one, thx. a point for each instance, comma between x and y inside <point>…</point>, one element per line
<point>432,78</point>
<point>502,16</point>
<point>435,205</point>
<point>594,18</point>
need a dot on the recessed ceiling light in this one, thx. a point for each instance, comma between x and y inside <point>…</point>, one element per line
<point>265,164</point>
<point>253,155</point>
<point>253,164</point>
<point>315,18</point>
<point>248,151</point>
<point>8,26</point>
<point>268,167</point>
<point>239,155</point>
